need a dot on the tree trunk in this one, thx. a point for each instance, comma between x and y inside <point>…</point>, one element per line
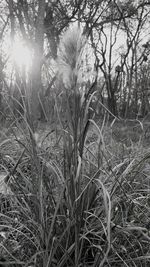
<point>36,83</point>
<point>112,105</point>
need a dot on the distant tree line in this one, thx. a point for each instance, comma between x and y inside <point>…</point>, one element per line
<point>122,69</point>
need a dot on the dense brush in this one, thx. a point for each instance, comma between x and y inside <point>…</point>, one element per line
<point>73,199</point>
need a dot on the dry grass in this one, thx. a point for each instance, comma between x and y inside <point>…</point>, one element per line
<point>121,211</point>
<point>79,190</point>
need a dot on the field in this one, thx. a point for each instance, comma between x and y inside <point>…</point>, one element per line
<point>74,133</point>
<point>61,208</point>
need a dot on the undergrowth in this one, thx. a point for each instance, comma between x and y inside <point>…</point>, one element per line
<point>78,196</point>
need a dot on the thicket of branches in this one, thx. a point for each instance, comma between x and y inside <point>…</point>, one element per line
<point>118,41</point>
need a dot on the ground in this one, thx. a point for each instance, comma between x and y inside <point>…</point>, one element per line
<point>120,150</point>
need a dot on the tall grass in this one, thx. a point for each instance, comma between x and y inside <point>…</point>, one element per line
<point>73,200</point>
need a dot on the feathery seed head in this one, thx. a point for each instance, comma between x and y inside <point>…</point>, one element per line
<point>70,56</point>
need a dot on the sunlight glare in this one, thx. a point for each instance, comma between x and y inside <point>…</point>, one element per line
<point>21,55</point>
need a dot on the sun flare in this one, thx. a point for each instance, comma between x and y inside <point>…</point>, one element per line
<point>21,55</point>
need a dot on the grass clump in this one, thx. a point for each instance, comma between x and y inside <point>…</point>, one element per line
<point>73,201</point>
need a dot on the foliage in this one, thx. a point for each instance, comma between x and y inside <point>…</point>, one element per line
<point>40,26</point>
<point>76,191</point>
<point>79,195</point>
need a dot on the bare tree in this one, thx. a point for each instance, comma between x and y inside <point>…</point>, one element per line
<point>45,21</point>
